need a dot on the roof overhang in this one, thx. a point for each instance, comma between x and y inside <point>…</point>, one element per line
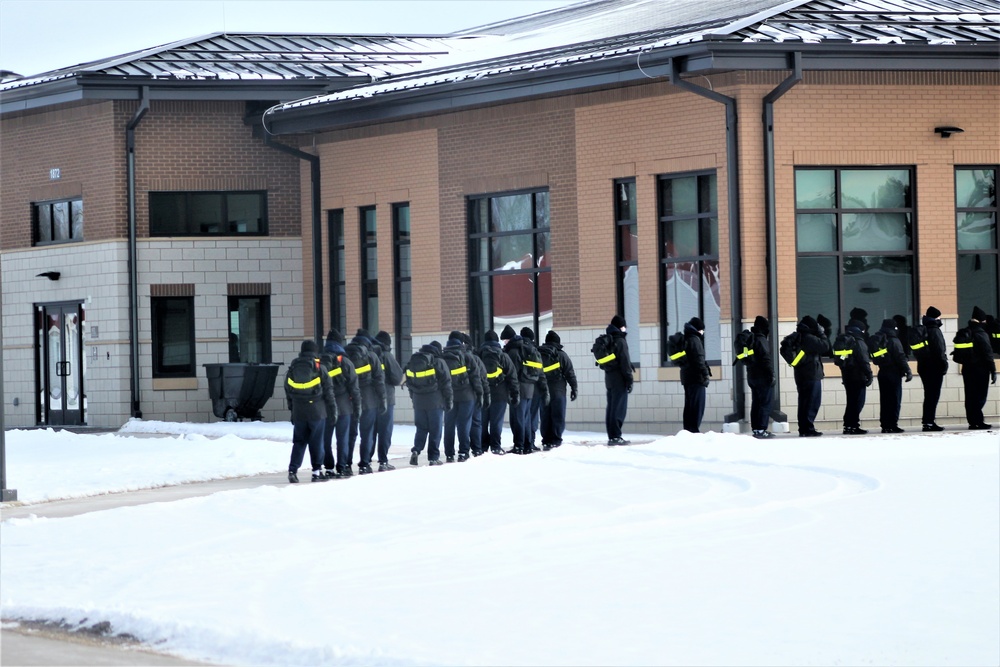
<point>697,58</point>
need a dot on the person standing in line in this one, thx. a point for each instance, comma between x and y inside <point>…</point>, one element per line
<point>931,367</point>
<point>892,367</point>
<point>534,372</point>
<point>814,344</point>
<point>856,374</point>
<point>371,379</point>
<point>504,388</point>
<point>520,414</point>
<point>476,430</point>
<point>428,380</point>
<point>559,373</point>
<point>393,378</point>
<point>348,396</point>
<point>861,315</point>
<point>310,398</point>
<point>760,378</point>
<point>618,382</point>
<point>694,375</point>
<point>978,373</point>
<point>468,397</point>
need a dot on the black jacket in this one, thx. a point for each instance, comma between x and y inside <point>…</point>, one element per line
<point>345,383</point>
<point>372,393</point>
<point>391,371</point>
<point>564,374</point>
<point>517,348</point>
<point>470,389</point>
<point>859,369</point>
<point>982,353</point>
<point>506,388</point>
<point>935,361</point>
<point>310,408</point>
<point>815,345</point>
<point>896,362</point>
<point>620,377</point>
<point>442,399</point>
<point>761,366</point>
<point>695,372</point>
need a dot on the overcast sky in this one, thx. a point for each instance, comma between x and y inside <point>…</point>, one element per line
<point>42,35</point>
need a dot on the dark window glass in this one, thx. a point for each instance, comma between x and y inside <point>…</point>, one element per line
<point>369,268</point>
<point>207,213</point>
<point>627,260</point>
<point>509,268</point>
<point>854,236</point>
<point>338,273</point>
<point>58,221</point>
<point>173,336</point>
<point>689,257</point>
<point>250,329</point>
<point>976,233</point>
<point>403,345</point>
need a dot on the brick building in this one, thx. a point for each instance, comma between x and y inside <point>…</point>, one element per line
<point>658,160</point>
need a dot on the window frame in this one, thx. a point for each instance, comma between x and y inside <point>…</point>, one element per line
<point>337,255</point>
<point>663,220</point>
<point>993,252</point>
<point>157,319</point>
<point>403,307</point>
<point>478,329</point>
<point>264,324</point>
<point>839,211</point>
<point>368,282</point>
<point>623,219</point>
<point>50,204</point>
<point>189,223</point>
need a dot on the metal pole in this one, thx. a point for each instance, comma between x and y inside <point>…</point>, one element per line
<point>6,495</point>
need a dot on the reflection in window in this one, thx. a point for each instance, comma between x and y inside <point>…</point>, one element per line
<point>402,274</point>
<point>976,231</point>
<point>338,273</point>
<point>627,258</point>
<point>207,213</point>
<point>250,329</point>
<point>509,271</point>
<point>173,336</point>
<point>58,221</point>
<point>689,257</point>
<point>854,236</point>
<point>369,269</point>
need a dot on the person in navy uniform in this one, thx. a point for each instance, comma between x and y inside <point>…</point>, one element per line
<point>559,374</point>
<point>309,393</point>
<point>931,368</point>
<point>618,382</point>
<point>979,373</point>
<point>891,372</point>
<point>815,344</point>
<point>430,401</point>
<point>504,388</point>
<point>336,455</point>
<point>393,378</point>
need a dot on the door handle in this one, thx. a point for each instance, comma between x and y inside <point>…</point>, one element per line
<point>62,369</point>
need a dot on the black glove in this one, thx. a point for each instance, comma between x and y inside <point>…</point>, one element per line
<point>909,376</point>
<point>356,415</point>
<point>824,322</point>
<point>448,406</point>
<point>628,388</point>
<point>383,408</point>
<point>572,394</point>
<point>548,399</point>
<point>869,381</point>
<point>513,400</point>
<point>479,402</point>
<point>993,378</point>
<point>486,400</point>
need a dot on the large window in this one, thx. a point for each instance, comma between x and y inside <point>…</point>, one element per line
<point>57,221</point>
<point>689,257</point>
<point>250,329</point>
<point>978,254</point>
<point>627,259</point>
<point>510,279</point>
<point>173,336</point>
<point>854,235</point>
<point>338,274</point>
<point>369,269</point>
<point>402,274</point>
<point>207,213</point>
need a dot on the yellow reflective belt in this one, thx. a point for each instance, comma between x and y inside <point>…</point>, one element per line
<point>675,357</point>
<point>879,353</point>
<point>532,364</point>
<point>363,369</point>
<point>335,372</point>
<point>303,385</point>
<point>549,369</point>
<point>420,374</point>
<point>919,345</point>
<point>746,353</point>
<point>604,360</point>
<point>962,345</point>
<point>798,358</point>
<point>459,370</point>
<point>842,353</point>
<point>495,373</point>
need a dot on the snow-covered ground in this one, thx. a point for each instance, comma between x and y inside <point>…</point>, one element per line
<point>711,549</point>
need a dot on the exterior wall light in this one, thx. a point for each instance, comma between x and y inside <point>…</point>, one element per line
<point>51,275</point>
<point>947,130</point>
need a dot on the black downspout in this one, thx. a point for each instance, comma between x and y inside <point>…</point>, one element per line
<point>317,232</point>
<point>772,224</point>
<point>735,259</point>
<point>133,276</point>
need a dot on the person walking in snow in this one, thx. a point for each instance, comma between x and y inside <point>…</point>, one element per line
<point>559,373</point>
<point>618,381</point>
<point>309,394</point>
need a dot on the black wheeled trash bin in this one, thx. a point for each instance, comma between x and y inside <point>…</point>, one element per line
<point>239,390</point>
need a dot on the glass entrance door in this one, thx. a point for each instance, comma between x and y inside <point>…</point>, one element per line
<point>61,365</point>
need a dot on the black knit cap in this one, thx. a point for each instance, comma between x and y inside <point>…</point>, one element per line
<point>859,314</point>
<point>552,337</point>
<point>618,321</point>
<point>889,324</point>
<point>697,323</point>
<point>526,332</point>
<point>334,336</point>
<point>933,312</point>
<point>808,323</point>
<point>363,333</point>
<point>900,321</point>
<point>309,346</point>
<point>508,333</point>
<point>761,325</point>
<point>979,314</point>
<point>384,339</point>
<point>455,334</point>
<point>436,345</point>
<point>491,335</point>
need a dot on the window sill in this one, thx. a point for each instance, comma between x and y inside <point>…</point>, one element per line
<point>174,384</point>
<point>673,373</point>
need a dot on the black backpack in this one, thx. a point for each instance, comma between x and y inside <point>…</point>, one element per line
<point>845,350</point>
<point>603,350</point>
<point>551,365</point>
<point>962,354</point>
<point>358,354</point>
<point>304,379</point>
<point>455,358</point>
<point>992,327</point>
<point>743,346</point>
<point>919,342</point>
<point>336,368</point>
<point>532,369</point>
<point>791,349</point>
<point>878,345</point>
<point>677,349</point>
<point>493,360</point>
<point>421,376</point>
